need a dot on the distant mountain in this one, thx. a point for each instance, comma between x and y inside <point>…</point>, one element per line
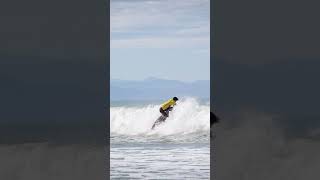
<point>155,89</point>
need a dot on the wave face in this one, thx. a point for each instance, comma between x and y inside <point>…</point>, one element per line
<point>188,117</point>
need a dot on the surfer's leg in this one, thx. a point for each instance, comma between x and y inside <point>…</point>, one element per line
<point>163,112</point>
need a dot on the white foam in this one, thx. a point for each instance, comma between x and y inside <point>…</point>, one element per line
<point>189,116</point>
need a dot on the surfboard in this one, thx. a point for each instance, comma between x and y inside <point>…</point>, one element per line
<point>160,120</point>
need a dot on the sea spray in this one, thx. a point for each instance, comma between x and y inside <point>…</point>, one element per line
<point>189,116</point>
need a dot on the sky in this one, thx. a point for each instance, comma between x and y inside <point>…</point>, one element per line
<point>162,39</point>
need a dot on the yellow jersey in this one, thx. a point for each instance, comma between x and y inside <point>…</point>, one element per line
<point>168,103</point>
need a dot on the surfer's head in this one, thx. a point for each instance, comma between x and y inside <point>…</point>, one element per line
<point>175,98</point>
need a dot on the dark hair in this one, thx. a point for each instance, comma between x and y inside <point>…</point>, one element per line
<point>175,98</point>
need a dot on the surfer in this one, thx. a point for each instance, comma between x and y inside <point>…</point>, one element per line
<point>164,110</point>
<point>167,106</point>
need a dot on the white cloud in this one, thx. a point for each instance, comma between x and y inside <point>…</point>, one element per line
<point>160,24</point>
<point>161,42</point>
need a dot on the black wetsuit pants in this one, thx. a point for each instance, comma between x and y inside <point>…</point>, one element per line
<point>164,112</point>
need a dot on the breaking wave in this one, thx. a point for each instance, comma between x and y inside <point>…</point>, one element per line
<point>188,117</point>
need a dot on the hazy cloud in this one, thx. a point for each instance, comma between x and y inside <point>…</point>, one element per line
<point>160,24</point>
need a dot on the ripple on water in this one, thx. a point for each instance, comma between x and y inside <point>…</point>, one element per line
<point>158,159</point>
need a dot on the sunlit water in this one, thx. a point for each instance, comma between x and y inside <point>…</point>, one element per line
<point>177,149</point>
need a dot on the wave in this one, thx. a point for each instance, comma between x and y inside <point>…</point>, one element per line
<point>188,117</point>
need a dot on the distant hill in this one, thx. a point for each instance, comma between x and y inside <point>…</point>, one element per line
<point>154,89</point>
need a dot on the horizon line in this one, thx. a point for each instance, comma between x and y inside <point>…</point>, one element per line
<point>156,78</point>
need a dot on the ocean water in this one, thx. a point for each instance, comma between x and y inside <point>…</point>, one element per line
<point>176,149</point>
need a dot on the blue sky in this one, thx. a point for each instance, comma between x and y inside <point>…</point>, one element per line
<point>160,38</point>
